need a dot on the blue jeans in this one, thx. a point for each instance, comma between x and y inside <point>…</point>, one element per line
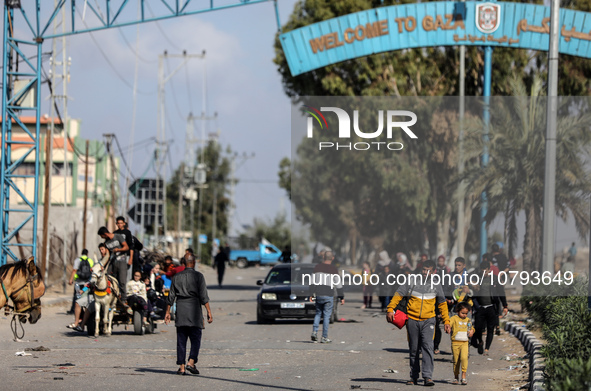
<point>324,306</point>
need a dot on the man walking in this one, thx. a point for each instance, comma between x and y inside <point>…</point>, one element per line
<point>122,229</point>
<point>324,295</point>
<point>499,259</point>
<point>572,252</point>
<point>488,295</point>
<point>501,262</point>
<point>219,263</point>
<point>118,249</point>
<point>189,291</point>
<point>442,270</point>
<point>423,297</point>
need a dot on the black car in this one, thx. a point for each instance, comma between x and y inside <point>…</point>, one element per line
<point>283,296</point>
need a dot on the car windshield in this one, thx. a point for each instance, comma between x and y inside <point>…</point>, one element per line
<point>287,276</point>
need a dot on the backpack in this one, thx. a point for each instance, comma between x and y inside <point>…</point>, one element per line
<point>137,245</point>
<point>84,272</point>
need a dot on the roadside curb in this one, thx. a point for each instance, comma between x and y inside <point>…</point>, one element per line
<point>533,347</point>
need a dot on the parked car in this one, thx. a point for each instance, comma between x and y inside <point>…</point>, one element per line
<point>282,294</point>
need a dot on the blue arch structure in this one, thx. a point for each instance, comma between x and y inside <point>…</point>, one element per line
<point>378,30</point>
<point>26,25</point>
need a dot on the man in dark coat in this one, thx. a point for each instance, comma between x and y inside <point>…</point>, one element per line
<point>219,263</point>
<point>189,290</point>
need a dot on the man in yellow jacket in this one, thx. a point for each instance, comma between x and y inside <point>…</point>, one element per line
<point>423,296</point>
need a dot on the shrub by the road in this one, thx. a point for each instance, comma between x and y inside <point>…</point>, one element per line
<point>566,324</point>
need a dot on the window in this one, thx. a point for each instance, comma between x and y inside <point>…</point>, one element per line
<point>25,168</point>
<point>58,169</point>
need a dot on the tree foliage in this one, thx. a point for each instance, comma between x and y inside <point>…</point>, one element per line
<point>514,178</point>
<point>217,181</point>
<point>276,231</point>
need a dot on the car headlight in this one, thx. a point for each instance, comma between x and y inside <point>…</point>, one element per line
<point>269,296</point>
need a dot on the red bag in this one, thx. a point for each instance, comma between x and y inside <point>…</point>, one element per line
<point>399,319</point>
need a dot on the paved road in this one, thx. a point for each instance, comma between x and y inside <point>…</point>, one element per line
<point>363,349</point>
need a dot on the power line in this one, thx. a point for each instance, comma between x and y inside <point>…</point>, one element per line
<point>275,181</point>
<point>111,64</point>
<point>189,87</point>
<point>123,157</point>
<point>171,43</point>
<point>139,143</point>
<point>176,103</point>
<point>133,50</point>
<point>65,128</point>
<point>169,158</point>
<point>43,56</point>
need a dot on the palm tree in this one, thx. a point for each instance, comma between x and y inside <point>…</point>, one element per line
<point>514,178</point>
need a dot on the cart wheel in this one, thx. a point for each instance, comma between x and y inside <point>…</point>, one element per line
<point>138,327</point>
<point>150,327</point>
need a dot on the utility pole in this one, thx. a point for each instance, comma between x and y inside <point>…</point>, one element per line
<point>200,172</point>
<point>190,167</point>
<point>201,179</point>
<point>85,196</point>
<point>214,217</point>
<point>54,98</point>
<point>108,144</point>
<point>179,224</point>
<point>46,202</point>
<point>162,147</point>
<point>64,63</point>
<point>143,204</point>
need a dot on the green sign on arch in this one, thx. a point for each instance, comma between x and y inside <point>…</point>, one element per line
<point>383,29</point>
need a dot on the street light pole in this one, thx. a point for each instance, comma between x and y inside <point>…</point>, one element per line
<point>550,169</point>
<point>460,218</point>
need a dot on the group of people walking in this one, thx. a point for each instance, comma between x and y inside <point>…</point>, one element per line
<point>426,304</point>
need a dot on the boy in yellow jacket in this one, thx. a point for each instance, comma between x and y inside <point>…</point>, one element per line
<point>461,331</point>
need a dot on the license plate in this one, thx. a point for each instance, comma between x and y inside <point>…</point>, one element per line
<point>293,305</point>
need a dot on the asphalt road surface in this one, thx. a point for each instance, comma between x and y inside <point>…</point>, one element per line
<point>236,353</point>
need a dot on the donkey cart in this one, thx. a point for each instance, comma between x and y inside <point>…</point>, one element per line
<point>122,317</point>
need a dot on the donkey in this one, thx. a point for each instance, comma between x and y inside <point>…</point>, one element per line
<point>22,282</point>
<point>106,293</point>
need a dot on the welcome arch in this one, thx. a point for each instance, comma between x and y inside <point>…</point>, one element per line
<point>471,23</point>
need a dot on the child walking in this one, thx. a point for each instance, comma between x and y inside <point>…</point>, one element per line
<point>461,331</point>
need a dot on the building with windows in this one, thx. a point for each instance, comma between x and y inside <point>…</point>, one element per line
<point>68,165</point>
